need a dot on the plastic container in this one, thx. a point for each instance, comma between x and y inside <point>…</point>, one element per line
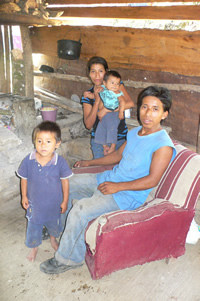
<point>49,113</point>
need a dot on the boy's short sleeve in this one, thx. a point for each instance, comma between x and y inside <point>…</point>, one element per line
<point>65,170</point>
<point>22,171</point>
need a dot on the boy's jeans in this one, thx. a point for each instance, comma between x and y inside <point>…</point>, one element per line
<point>91,204</point>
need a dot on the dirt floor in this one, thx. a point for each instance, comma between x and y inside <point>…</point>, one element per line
<point>22,280</point>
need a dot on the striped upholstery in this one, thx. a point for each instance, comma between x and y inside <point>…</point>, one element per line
<point>154,231</point>
<point>181,183</point>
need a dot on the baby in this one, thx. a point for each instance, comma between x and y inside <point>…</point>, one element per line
<point>113,100</point>
<point>44,186</point>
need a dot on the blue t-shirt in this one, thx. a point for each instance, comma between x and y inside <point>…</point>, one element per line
<point>44,190</point>
<point>122,128</point>
<point>135,164</point>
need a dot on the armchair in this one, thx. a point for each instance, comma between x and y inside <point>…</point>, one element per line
<point>156,230</point>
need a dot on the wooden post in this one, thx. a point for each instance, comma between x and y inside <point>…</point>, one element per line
<point>198,138</point>
<point>7,59</point>
<point>2,67</point>
<point>27,55</point>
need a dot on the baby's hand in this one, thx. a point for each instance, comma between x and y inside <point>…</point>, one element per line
<point>88,94</point>
<point>25,202</point>
<point>63,207</point>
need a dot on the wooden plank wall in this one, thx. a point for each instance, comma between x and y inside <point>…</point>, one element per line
<point>171,51</point>
<point>152,56</point>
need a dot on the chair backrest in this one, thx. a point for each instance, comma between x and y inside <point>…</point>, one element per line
<point>180,184</point>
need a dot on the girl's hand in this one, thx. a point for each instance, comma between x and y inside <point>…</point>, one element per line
<point>109,187</point>
<point>88,94</point>
<point>25,202</point>
<point>83,163</point>
<point>63,207</point>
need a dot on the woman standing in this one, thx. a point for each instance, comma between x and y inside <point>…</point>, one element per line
<point>96,68</point>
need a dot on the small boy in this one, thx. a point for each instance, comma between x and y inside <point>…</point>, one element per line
<point>113,100</point>
<point>44,186</point>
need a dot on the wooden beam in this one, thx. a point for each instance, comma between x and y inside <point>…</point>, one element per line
<point>127,83</point>
<point>150,12</point>
<point>27,55</point>
<point>55,99</point>
<point>108,1</point>
<point>16,19</point>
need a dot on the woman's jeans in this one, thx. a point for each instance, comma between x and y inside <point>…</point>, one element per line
<point>88,203</point>
<point>97,149</point>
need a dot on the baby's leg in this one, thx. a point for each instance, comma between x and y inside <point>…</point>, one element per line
<point>54,243</point>
<point>32,255</point>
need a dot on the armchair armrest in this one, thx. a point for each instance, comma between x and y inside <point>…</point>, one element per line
<point>139,219</point>
<point>122,239</point>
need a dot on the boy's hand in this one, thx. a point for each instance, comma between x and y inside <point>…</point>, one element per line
<point>63,207</point>
<point>25,202</point>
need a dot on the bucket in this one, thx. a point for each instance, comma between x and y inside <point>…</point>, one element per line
<point>69,49</point>
<point>49,113</point>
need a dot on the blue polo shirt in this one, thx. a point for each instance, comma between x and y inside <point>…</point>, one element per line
<point>44,186</point>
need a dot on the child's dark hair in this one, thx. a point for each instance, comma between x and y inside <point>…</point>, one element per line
<point>96,60</point>
<point>111,73</point>
<point>160,92</point>
<point>47,126</point>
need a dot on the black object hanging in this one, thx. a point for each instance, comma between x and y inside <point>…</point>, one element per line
<point>68,49</point>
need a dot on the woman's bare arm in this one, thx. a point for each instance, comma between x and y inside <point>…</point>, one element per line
<point>89,111</point>
<point>128,102</point>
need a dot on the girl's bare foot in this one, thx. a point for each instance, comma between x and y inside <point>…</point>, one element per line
<point>54,243</point>
<point>32,255</point>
